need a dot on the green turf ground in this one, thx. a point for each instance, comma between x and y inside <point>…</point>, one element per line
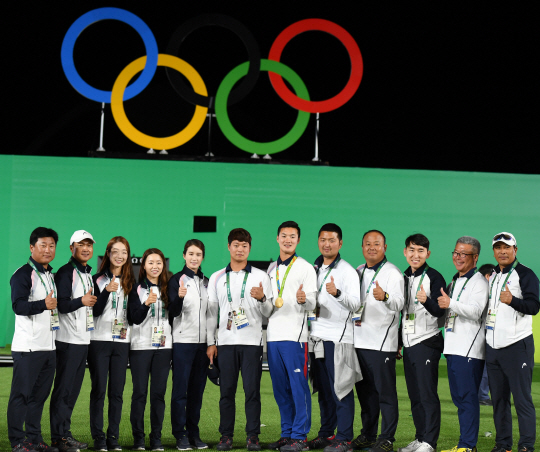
<point>270,415</point>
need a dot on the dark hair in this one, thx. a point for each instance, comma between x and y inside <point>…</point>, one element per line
<point>194,242</point>
<point>331,227</point>
<point>40,233</point>
<point>128,277</point>
<point>163,278</point>
<point>486,269</point>
<point>378,232</point>
<point>289,224</point>
<point>417,239</point>
<point>239,234</point>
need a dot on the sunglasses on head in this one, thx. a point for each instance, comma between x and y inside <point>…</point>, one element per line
<point>502,237</point>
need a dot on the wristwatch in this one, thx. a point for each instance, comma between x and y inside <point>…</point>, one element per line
<point>338,294</point>
<point>262,300</point>
<point>386,296</point>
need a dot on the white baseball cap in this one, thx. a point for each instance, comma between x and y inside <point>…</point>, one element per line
<point>504,237</point>
<point>79,236</point>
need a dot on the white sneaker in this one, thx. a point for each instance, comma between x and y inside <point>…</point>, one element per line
<point>425,447</point>
<point>412,447</point>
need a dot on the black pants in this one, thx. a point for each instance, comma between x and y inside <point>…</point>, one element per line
<point>421,364</point>
<point>70,368</point>
<point>190,367</point>
<point>232,358</point>
<point>33,374</point>
<point>144,363</point>
<point>510,370</point>
<point>377,393</point>
<point>107,361</point>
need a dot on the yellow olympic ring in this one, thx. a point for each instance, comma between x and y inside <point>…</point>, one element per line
<point>117,103</point>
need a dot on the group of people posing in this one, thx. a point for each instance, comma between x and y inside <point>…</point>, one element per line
<point>349,324</point>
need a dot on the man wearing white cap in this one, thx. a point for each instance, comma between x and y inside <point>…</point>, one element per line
<point>513,300</point>
<point>75,301</point>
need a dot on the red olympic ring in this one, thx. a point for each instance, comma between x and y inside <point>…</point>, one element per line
<point>357,65</point>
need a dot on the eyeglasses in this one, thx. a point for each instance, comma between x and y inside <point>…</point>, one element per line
<point>502,236</point>
<point>462,255</point>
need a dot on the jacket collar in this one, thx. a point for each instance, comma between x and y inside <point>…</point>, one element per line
<point>188,272</point>
<point>319,262</point>
<point>82,268</point>
<point>505,270</point>
<point>247,268</point>
<point>40,267</point>
<point>285,262</point>
<point>466,275</point>
<point>376,266</point>
<point>418,272</point>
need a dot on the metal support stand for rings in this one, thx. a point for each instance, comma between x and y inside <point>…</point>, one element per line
<point>316,158</point>
<point>101,148</point>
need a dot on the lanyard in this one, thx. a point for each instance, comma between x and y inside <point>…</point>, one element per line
<point>153,304</point>
<point>91,284</point>
<point>419,284</point>
<point>282,287</point>
<point>463,288</point>
<point>330,267</point>
<point>374,276</point>
<point>514,265</point>
<point>229,296</point>
<point>114,301</point>
<point>41,279</point>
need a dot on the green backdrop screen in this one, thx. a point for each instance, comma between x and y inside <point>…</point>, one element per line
<point>152,204</point>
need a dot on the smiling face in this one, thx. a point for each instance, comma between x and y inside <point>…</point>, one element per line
<point>82,251</point>
<point>239,251</point>
<point>416,255</point>
<point>118,255</point>
<point>504,254</point>
<point>287,240</point>
<point>464,258</point>
<point>43,251</point>
<point>193,258</point>
<point>329,245</point>
<point>373,248</point>
<point>153,267</point>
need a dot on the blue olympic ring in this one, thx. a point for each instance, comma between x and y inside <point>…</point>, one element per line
<point>95,16</point>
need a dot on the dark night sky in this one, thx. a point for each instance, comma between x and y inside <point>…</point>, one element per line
<point>449,86</point>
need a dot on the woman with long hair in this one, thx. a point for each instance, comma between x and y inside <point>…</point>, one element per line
<point>109,346</point>
<point>188,300</point>
<point>151,347</point>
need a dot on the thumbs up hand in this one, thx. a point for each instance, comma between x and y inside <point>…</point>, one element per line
<point>331,287</point>
<point>112,286</point>
<point>506,295</point>
<point>378,292</point>
<point>444,300</point>
<point>88,299</point>
<point>257,292</point>
<point>300,295</point>
<point>50,301</point>
<point>421,295</point>
<point>182,290</point>
<point>152,298</point>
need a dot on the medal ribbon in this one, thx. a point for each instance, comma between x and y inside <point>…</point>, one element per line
<point>229,296</point>
<point>41,279</point>
<point>374,276</point>
<point>282,287</point>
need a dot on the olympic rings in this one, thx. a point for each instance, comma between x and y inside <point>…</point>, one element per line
<point>236,27</point>
<point>252,146</point>
<point>95,16</point>
<point>135,135</point>
<point>357,65</point>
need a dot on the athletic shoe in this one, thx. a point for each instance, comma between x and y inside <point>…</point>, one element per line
<point>498,448</point>
<point>72,442</point>
<point>295,445</point>
<point>461,449</point>
<point>68,445</point>
<point>138,445</point>
<point>41,447</point>
<point>252,443</point>
<point>21,447</point>
<point>524,449</point>
<point>362,442</point>
<point>112,444</point>
<point>382,445</point>
<point>279,443</point>
<point>197,443</point>
<point>339,446</point>
<point>225,443</point>
<point>100,444</point>
<point>183,444</point>
<point>487,402</point>
<point>425,447</point>
<point>156,445</point>
<point>320,442</point>
<point>411,447</point>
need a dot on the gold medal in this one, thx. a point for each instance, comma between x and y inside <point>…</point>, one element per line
<point>279,302</point>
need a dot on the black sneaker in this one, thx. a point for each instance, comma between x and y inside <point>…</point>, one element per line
<point>22,447</point>
<point>41,447</point>
<point>72,442</point>
<point>225,443</point>
<point>320,442</point>
<point>498,448</point>
<point>156,445</point>
<point>197,443</point>
<point>362,442</point>
<point>339,446</point>
<point>68,445</point>
<point>183,444</point>
<point>112,444</point>
<point>252,443</point>
<point>382,445</point>
<point>100,444</point>
<point>283,441</point>
<point>138,445</point>
<point>524,449</point>
<point>486,402</point>
<point>295,445</point>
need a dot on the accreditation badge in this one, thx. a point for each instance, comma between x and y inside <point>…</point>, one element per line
<point>157,336</point>
<point>55,322</point>
<point>89,319</point>
<point>240,319</point>
<point>229,320</point>
<point>450,320</point>
<point>357,316</point>
<point>311,316</point>
<point>490,319</point>
<point>117,327</point>
<point>408,324</point>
